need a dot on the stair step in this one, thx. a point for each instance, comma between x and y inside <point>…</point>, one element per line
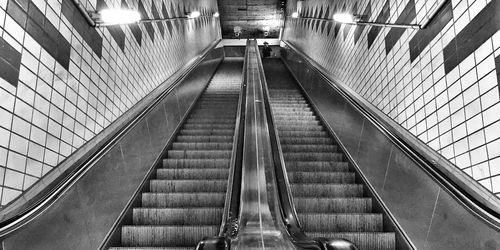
<point>177,216</point>
<point>152,236</point>
<point>165,186</point>
<point>210,121</point>
<point>333,205</point>
<point>321,177</point>
<point>199,154</point>
<point>209,126</point>
<point>180,200</point>
<point>308,148</point>
<point>363,240</point>
<point>202,146</point>
<point>341,222</point>
<point>291,133</point>
<point>192,174</point>
<point>317,166</point>
<point>312,156</point>
<point>196,163</point>
<point>204,132</point>
<point>305,127</point>
<point>208,138</point>
<point>327,190</point>
<point>306,140</point>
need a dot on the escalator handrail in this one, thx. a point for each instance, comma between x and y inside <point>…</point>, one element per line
<point>288,212</point>
<point>483,208</point>
<point>51,196</point>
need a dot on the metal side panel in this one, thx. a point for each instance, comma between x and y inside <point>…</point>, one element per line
<point>430,216</point>
<point>82,217</point>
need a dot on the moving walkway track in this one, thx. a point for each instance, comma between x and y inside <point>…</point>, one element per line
<point>185,202</point>
<point>328,200</point>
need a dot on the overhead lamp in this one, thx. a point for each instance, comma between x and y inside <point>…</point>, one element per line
<point>216,14</point>
<point>107,17</point>
<point>356,20</point>
<point>194,14</point>
<point>345,18</point>
<point>295,14</point>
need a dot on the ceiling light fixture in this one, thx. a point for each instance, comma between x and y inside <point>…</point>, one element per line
<point>107,17</point>
<point>295,14</point>
<point>194,14</point>
<point>356,20</point>
<point>216,14</point>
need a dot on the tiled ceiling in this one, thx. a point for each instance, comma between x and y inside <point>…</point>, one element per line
<point>253,16</point>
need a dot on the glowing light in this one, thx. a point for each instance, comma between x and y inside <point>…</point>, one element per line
<point>295,14</point>
<point>344,18</point>
<point>216,14</point>
<point>119,16</point>
<point>194,14</point>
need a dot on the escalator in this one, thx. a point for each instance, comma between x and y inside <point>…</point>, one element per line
<point>186,197</point>
<point>330,202</point>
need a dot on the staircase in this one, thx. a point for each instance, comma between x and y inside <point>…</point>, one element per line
<point>185,201</point>
<point>328,200</point>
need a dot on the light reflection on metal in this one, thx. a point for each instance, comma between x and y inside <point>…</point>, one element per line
<point>295,15</point>
<point>216,14</point>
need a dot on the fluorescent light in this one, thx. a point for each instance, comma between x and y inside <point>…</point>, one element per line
<point>194,14</point>
<point>119,16</point>
<point>295,14</point>
<point>344,18</point>
<point>216,14</point>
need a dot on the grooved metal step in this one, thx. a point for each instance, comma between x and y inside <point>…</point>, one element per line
<point>328,201</point>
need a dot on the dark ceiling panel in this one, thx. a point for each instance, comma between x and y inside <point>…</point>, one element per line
<point>253,16</point>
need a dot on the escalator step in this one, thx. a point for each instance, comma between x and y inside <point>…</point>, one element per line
<point>196,163</point>
<point>201,146</point>
<point>199,154</point>
<point>209,126</point>
<point>166,186</point>
<point>321,177</point>
<point>180,236</point>
<point>327,190</point>
<point>292,133</point>
<point>178,200</point>
<point>363,240</point>
<point>204,132</point>
<point>305,140</point>
<point>192,174</point>
<point>317,166</point>
<point>210,138</point>
<point>151,248</point>
<point>300,128</point>
<point>317,222</point>
<point>333,205</point>
<point>313,156</point>
<point>177,216</point>
<point>308,148</point>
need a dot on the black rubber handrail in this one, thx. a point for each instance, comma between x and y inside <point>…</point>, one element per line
<point>229,225</point>
<point>46,200</point>
<point>288,212</point>
<point>485,211</point>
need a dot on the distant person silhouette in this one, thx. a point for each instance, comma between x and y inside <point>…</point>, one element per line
<point>266,51</point>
